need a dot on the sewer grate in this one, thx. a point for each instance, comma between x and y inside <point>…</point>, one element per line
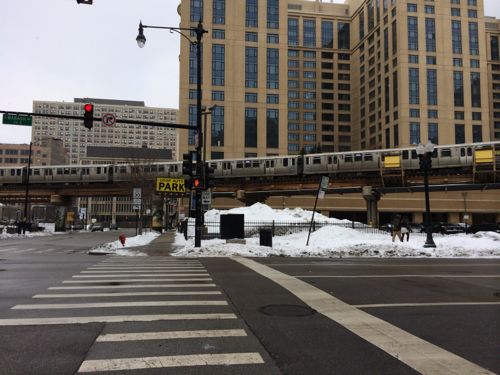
<point>287,310</point>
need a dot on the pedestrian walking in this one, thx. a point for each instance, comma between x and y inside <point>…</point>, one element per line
<point>396,227</point>
<point>405,229</point>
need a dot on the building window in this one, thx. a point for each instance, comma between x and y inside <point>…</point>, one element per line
<point>252,13</point>
<point>218,64</point>
<point>196,10</point>
<point>475,89</point>
<point>272,68</point>
<point>386,44</point>
<point>361,25</point>
<point>394,32</point>
<point>193,64</point>
<point>433,133</point>
<point>293,32</point>
<point>218,126</point>
<point>472,3</point>
<point>429,9</point>
<point>309,36</point>
<point>458,88</point>
<point>218,95</point>
<point>250,127</point>
<point>413,33</point>
<point>251,36</point>
<point>474,63</point>
<point>495,55</point>
<point>343,35</point>
<point>395,89</point>
<point>272,99</point>
<point>218,34</point>
<point>459,133</point>
<point>476,116</point>
<point>455,12</point>
<point>273,14</point>
<point>250,97</point>
<point>413,86</point>
<point>273,38</point>
<point>413,59</point>
<point>414,133</point>
<point>430,34</point>
<point>414,113</point>
<point>456,36</point>
<point>219,12</point>
<point>411,8</point>
<point>472,13</point>
<point>327,34</point>
<point>431,60</point>
<point>473,38</point>
<point>477,133</point>
<point>272,128</point>
<point>457,62</point>
<point>192,122</point>
<point>432,96</point>
<point>251,67</point>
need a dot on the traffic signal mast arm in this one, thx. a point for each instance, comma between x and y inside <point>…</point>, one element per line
<point>123,121</point>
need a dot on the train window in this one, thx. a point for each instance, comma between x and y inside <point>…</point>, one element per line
<point>59,171</point>
<point>469,151</point>
<point>462,152</point>
<point>12,172</point>
<point>414,154</point>
<point>73,171</point>
<point>66,170</point>
<point>98,170</point>
<point>285,162</point>
<point>248,164</point>
<point>123,169</point>
<point>293,161</point>
<point>255,164</point>
<point>239,164</point>
<point>348,158</point>
<point>270,163</point>
<point>368,157</point>
<point>1,172</point>
<point>405,155</point>
<point>154,168</point>
<point>316,160</point>
<point>161,168</point>
<point>358,157</point>
<point>446,152</point>
<point>335,160</point>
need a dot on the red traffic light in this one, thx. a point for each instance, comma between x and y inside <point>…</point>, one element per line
<point>88,107</point>
<point>196,182</point>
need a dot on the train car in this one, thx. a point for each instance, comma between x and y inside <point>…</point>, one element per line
<point>256,167</point>
<point>359,161</point>
<point>11,175</point>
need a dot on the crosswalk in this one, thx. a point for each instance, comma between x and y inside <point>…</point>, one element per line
<point>160,313</point>
<point>15,250</point>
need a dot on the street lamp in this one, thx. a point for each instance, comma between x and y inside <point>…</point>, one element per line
<point>198,31</point>
<point>205,112</point>
<point>424,153</point>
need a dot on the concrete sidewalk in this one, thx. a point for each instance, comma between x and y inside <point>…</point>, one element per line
<point>163,245</point>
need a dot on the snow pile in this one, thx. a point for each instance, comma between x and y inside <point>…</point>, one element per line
<point>336,241</point>
<point>117,248</point>
<point>48,231</point>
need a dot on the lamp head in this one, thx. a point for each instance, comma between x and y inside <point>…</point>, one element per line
<point>141,39</point>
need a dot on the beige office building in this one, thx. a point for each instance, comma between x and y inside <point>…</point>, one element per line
<point>293,75</point>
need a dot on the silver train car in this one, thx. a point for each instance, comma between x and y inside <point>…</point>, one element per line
<point>449,157</point>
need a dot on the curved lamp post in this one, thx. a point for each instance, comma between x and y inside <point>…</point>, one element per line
<point>198,31</point>
<point>424,153</point>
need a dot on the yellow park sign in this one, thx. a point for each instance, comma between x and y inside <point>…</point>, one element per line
<point>170,185</point>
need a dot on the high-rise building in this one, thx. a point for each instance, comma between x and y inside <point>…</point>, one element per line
<point>296,75</point>
<point>48,151</point>
<point>76,138</point>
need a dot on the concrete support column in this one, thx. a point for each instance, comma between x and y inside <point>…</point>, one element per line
<point>113,210</point>
<point>63,205</point>
<point>453,217</point>
<point>371,197</point>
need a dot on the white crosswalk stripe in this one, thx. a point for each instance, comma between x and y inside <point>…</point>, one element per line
<point>191,303</point>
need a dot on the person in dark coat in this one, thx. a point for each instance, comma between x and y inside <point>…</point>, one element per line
<point>396,227</point>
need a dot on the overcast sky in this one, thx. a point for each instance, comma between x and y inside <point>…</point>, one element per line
<point>58,50</point>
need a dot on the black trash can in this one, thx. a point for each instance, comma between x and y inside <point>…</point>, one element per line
<point>266,237</point>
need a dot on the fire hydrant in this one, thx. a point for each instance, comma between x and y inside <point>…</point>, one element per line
<point>122,238</point>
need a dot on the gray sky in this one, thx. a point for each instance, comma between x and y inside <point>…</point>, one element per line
<point>65,50</point>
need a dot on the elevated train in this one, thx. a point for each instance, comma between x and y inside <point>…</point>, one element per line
<point>461,157</point>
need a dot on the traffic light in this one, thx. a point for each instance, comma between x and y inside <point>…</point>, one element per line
<point>189,166</point>
<point>88,115</point>
<point>197,183</point>
<point>209,176</point>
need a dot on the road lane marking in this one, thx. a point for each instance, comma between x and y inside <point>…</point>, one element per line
<point>144,268</point>
<point>23,250</point>
<point>142,275</point>
<point>133,280</point>
<point>171,335</point>
<point>396,276</point>
<point>112,319</point>
<point>92,272</point>
<point>417,353</point>
<point>130,294</point>
<point>134,286</point>
<point>122,364</point>
<point>117,304</point>
<point>386,265</point>
<point>423,304</point>
<point>44,251</point>
<point>8,249</point>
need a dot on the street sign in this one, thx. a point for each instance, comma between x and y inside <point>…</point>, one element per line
<point>136,199</point>
<point>170,185</point>
<point>108,119</point>
<point>206,197</point>
<point>15,119</point>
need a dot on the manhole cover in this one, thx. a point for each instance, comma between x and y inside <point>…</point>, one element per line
<point>287,310</point>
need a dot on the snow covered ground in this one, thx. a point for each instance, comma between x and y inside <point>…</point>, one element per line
<point>48,231</point>
<point>335,241</point>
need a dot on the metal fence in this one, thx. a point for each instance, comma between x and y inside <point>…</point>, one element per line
<point>278,228</point>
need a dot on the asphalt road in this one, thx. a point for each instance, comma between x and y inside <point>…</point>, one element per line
<point>65,312</point>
